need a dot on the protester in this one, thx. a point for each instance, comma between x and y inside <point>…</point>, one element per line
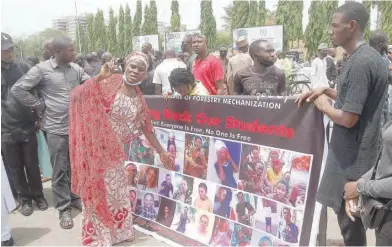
<point>390,53</point>
<point>187,46</point>
<point>106,58</point>
<point>378,187</point>
<point>79,60</point>
<point>225,167</point>
<point>53,80</point>
<point>158,58</point>
<point>183,56</point>
<point>340,63</point>
<point>203,202</point>
<point>146,85</point>
<point>163,71</point>
<point>182,82</point>
<point>207,68</point>
<point>32,61</point>
<point>87,65</point>
<point>356,115</point>
<point>18,139</point>
<point>241,208</point>
<point>7,205</point>
<point>331,67</point>
<point>95,64</point>
<point>238,62</point>
<point>318,76</point>
<point>147,49</point>
<point>48,49</point>
<point>378,40</point>
<point>263,78</point>
<point>223,58</point>
<point>91,121</point>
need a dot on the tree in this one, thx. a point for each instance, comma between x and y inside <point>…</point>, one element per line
<point>240,14</point>
<point>252,16</point>
<point>99,32</point>
<point>153,18</point>
<point>386,17</point>
<point>33,44</point>
<point>320,15</point>
<point>80,41</point>
<point>223,39</point>
<point>228,17</point>
<point>128,31</point>
<point>262,13</point>
<point>145,26</point>
<point>368,5</point>
<point>121,32</point>
<point>137,19</point>
<point>208,23</point>
<point>111,33</point>
<point>292,23</point>
<point>90,36</point>
<point>175,20</point>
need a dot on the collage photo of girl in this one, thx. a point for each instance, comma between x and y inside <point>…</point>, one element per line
<point>220,192</point>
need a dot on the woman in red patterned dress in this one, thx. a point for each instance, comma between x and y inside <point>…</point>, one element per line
<point>107,112</point>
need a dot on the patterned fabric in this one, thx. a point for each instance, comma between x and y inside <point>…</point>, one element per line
<point>95,142</point>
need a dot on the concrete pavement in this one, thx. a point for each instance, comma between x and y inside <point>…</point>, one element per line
<point>43,229</point>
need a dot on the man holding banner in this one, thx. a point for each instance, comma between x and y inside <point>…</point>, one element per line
<point>356,116</point>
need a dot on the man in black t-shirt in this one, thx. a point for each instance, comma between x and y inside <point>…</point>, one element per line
<point>263,78</point>
<point>356,115</point>
<point>241,208</point>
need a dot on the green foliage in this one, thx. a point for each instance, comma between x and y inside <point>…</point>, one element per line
<point>153,18</point>
<point>368,5</point>
<point>33,44</point>
<point>252,16</point>
<point>145,27</point>
<point>320,15</point>
<point>228,17</point>
<point>128,31</point>
<point>385,8</point>
<point>99,32</point>
<point>175,20</point>
<point>90,32</point>
<point>262,13</point>
<point>81,41</point>
<point>137,19</point>
<point>121,32</point>
<point>111,33</point>
<point>208,23</point>
<point>240,14</point>
<point>223,39</point>
<point>289,14</point>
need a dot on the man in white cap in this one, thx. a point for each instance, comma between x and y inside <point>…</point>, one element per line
<point>240,61</point>
<point>318,76</point>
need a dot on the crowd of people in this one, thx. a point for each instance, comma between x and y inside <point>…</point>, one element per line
<point>88,107</point>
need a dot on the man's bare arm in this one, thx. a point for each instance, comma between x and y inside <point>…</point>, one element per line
<point>221,87</point>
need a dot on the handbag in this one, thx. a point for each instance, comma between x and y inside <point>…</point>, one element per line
<point>375,210</point>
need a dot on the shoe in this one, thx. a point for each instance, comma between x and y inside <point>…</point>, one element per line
<point>66,221</point>
<point>9,242</point>
<point>27,208</point>
<point>42,204</point>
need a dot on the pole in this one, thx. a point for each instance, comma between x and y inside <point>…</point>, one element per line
<point>78,27</point>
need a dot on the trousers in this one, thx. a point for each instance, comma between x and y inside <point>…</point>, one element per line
<point>384,235</point>
<point>22,161</point>
<point>61,177</point>
<point>354,233</point>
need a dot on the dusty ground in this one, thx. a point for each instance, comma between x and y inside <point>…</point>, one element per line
<point>43,229</point>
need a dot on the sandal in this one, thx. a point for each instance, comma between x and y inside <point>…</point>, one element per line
<point>66,221</point>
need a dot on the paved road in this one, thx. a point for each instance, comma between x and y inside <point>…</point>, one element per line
<point>43,229</point>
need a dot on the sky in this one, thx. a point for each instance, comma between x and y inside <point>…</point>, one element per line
<point>21,18</point>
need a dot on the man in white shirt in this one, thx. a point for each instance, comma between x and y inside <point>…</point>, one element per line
<point>163,71</point>
<point>318,76</point>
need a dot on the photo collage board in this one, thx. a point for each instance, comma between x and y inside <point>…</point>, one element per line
<point>220,192</point>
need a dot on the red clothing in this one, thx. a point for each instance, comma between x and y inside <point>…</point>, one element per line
<point>208,71</point>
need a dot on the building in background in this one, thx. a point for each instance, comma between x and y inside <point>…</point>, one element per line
<point>70,25</point>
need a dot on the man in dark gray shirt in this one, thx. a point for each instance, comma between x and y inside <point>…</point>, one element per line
<point>54,80</point>
<point>357,114</point>
<point>18,139</point>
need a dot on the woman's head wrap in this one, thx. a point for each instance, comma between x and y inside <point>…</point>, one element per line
<point>139,56</point>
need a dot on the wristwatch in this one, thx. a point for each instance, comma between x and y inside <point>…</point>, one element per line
<point>361,186</point>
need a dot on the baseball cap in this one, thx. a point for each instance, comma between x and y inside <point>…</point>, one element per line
<point>323,46</point>
<point>6,41</point>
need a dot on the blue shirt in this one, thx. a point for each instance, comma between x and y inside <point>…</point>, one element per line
<point>229,177</point>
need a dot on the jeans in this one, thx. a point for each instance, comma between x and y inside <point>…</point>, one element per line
<point>354,233</point>
<point>21,157</point>
<point>61,177</point>
<point>384,235</point>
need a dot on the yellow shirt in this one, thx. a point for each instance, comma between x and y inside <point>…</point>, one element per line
<point>272,177</point>
<point>205,205</point>
<point>199,89</point>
